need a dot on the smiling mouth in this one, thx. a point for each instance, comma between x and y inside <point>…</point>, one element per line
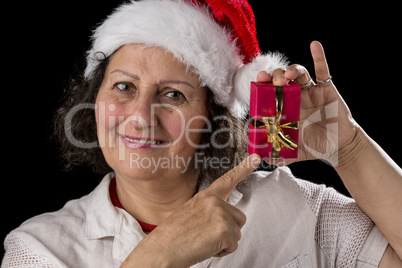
<point>142,141</point>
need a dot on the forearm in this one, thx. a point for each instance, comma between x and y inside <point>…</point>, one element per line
<point>375,182</point>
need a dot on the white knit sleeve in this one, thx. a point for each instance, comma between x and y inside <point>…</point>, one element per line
<point>18,254</point>
<point>342,227</point>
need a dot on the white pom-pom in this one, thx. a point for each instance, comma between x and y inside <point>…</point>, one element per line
<point>248,73</point>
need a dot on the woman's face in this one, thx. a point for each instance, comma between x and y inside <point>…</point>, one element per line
<point>150,113</point>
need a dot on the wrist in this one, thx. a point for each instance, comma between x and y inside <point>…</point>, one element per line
<point>148,253</point>
<point>351,151</point>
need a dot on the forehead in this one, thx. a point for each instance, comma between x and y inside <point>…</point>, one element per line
<point>147,60</point>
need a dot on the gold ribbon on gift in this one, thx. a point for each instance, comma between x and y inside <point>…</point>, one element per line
<point>275,133</point>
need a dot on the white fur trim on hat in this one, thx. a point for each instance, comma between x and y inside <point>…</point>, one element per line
<point>247,73</point>
<point>187,31</point>
<point>192,35</point>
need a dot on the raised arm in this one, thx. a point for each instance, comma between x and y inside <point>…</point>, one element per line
<point>371,176</point>
<point>375,182</point>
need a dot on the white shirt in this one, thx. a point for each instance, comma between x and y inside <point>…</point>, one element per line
<point>290,223</point>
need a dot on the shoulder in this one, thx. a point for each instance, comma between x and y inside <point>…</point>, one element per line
<point>42,233</point>
<point>278,218</point>
<point>72,214</point>
<point>68,221</point>
<point>276,192</point>
<point>341,227</point>
<point>283,187</point>
<point>277,182</point>
<point>59,237</point>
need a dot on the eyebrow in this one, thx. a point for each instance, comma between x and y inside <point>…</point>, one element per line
<point>175,82</point>
<point>136,77</point>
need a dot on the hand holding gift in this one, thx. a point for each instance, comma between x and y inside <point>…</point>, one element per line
<point>327,130</point>
<point>321,107</point>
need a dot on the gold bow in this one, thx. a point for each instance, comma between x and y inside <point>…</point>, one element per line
<point>275,133</point>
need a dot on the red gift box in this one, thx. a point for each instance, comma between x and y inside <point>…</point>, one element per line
<point>274,120</point>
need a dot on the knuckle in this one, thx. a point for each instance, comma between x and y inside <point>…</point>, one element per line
<point>219,213</point>
<point>212,201</point>
<point>212,205</point>
<point>278,71</point>
<point>224,230</point>
<point>228,230</point>
<point>238,235</point>
<point>242,219</point>
<point>228,178</point>
<point>201,195</point>
<point>229,243</point>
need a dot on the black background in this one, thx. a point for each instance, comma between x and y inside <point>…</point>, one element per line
<point>44,43</point>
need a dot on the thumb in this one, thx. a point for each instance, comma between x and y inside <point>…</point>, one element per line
<point>224,185</point>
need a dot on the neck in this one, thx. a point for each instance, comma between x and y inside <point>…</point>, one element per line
<point>151,201</point>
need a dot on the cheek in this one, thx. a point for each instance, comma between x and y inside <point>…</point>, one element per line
<point>196,127</point>
<point>176,127</point>
<point>107,118</point>
<point>186,129</point>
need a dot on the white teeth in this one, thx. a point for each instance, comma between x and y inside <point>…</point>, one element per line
<point>143,141</point>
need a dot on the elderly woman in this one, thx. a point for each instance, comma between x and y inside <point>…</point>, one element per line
<point>170,83</point>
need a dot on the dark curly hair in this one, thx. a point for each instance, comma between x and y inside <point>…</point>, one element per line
<point>83,128</point>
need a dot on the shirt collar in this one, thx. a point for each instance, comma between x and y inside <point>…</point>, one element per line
<point>103,219</point>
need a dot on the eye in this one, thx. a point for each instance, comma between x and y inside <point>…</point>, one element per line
<point>123,86</point>
<point>174,95</point>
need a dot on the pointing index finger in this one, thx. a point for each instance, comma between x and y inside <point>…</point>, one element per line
<point>224,185</point>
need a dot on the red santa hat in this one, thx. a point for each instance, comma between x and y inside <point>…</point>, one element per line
<point>217,38</point>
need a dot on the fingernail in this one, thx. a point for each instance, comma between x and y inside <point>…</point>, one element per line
<point>280,81</point>
<point>255,160</point>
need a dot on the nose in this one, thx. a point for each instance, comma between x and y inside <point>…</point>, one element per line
<point>142,114</point>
